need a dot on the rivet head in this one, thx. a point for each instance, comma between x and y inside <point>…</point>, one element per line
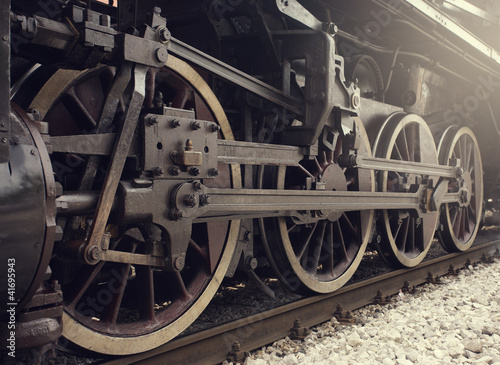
<point>194,171</point>
<point>4,140</point>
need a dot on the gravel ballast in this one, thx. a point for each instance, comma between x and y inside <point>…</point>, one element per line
<point>457,322</point>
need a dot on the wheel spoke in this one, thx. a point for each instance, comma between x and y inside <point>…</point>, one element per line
<point>404,236</point>
<point>74,101</point>
<point>349,224</point>
<point>81,284</point>
<point>343,246</point>
<point>306,241</point>
<point>146,294</point>
<point>317,245</point>
<point>111,311</point>
<point>331,256</point>
<point>410,246</point>
<point>181,286</point>
<point>406,145</point>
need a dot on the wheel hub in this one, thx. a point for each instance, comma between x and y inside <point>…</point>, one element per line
<point>334,180</point>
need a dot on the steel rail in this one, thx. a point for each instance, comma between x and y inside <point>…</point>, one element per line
<point>211,346</point>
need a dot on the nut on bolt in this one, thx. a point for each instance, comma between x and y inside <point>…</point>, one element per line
<point>158,171</point>
<point>174,123</point>
<point>162,34</point>
<point>194,171</point>
<point>175,171</point>
<point>93,255</point>
<point>213,172</point>
<point>178,214</point>
<point>179,263</point>
<point>191,200</point>
<point>195,126</point>
<point>197,185</point>
<point>151,120</point>
<point>214,128</point>
<point>205,200</point>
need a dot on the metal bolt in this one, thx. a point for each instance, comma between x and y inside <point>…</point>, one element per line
<point>213,172</point>
<point>205,200</point>
<point>197,185</point>
<point>195,125</point>
<point>152,120</point>
<point>179,263</point>
<point>174,123</point>
<point>251,263</point>
<point>3,125</point>
<point>5,38</point>
<point>162,34</point>
<point>330,28</point>
<point>194,171</point>
<point>4,140</point>
<point>175,171</point>
<point>161,54</point>
<point>33,152</point>
<point>191,200</point>
<point>356,101</point>
<point>179,214</point>
<point>214,128</point>
<point>236,346</point>
<point>93,254</point>
<point>158,171</point>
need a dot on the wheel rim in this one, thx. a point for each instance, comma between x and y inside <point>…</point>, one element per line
<point>405,238</point>
<point>122,308</point>
<point>461,221</point>
<point>322,256</point>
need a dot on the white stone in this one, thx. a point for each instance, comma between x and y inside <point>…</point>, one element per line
<point>455,348</point>
<point>439,354</point>
<point>290,359</point>
<point>354,340</point>
<point>474,346</point>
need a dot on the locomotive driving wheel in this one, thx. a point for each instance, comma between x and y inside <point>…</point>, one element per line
<point>405,236</point>
<point>461,220</point>
<point>319,255</point>
<point>120,308</point>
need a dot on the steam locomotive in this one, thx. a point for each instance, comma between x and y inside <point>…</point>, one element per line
<point>148,149</point>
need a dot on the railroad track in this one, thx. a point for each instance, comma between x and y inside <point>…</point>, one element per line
<point>212,346</point>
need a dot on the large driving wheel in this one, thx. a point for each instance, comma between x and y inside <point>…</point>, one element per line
<point>405,236</point>
<point>461,220</point>
<point>322,255</point>
<point>119,308</point>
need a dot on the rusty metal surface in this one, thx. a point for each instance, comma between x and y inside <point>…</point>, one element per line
<point>211,346</point>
